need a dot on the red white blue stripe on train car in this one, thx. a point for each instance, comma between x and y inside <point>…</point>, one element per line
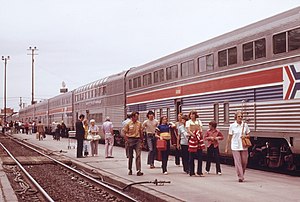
<point>291,81</point>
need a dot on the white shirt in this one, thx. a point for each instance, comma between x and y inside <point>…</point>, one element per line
<point>190,122</point>
<point>235,130</point>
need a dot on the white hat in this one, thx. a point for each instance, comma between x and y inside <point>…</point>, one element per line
<point>92,120</point>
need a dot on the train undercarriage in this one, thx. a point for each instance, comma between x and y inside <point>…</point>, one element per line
<point>274,153</point>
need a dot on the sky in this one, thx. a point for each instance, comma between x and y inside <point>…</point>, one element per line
<point>80,41</point>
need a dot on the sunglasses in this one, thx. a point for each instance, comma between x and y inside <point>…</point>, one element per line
<point>240,116</point>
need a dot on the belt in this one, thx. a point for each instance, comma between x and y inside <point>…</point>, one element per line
<point>150,133</point>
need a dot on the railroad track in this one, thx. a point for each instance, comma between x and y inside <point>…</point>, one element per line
<point>55,180</point>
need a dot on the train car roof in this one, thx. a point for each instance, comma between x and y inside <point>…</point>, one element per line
<point>100,82</point>
<point>238,34</point>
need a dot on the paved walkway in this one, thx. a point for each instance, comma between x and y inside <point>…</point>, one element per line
<point>258,186</point>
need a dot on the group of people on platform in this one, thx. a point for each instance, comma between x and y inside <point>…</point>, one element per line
<point>88,136</point>
<point>188,138</point>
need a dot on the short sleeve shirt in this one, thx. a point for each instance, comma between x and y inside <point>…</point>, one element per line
<point>235,130</point>
<point>133,129</point>
<point>150,126</point>
<point>190,122</point>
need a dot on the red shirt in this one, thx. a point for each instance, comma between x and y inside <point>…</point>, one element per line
<point>215,134</point>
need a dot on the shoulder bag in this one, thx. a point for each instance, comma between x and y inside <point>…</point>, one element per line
<point>161,145</point>
<point>245,140</point>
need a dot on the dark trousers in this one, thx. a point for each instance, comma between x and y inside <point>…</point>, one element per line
<point>177,156</point>
<point>79,147</point>
<point>151,141</point>
<point>165,156</point>
<point>192,157</point>
<point>134,144</point>
<point>185,157</point>
<point>213,152</point>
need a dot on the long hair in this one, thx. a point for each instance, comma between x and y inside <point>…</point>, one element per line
<point>161,118</point>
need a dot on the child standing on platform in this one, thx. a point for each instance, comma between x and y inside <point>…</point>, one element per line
<point>213,136</point>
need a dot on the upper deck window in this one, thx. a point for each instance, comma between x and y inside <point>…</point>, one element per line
<point>248,51</point>
<point>104,90</point>
<point>147,79</point>
<point>206,63</point>
<point>137,82</point>
<point>187,68</point>
<point>130,84</point>
<point>255,49</point>
<point>294,39</point>
<point>159,76</point>
<point>232,56</point>
<point>222,58</point>
<point>260,48</point>
<point>279,43</point>
<point>172,72</point>
<point>227,57</point>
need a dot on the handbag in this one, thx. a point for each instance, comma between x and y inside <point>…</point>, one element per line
<point>161,145</point>
<point>246,142</point>
<point>89,137</point>
<point>96,137</point>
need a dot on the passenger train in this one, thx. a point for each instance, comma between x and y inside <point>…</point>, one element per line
<point>255,69</point>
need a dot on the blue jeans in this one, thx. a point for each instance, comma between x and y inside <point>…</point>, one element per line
<point>151,142</point>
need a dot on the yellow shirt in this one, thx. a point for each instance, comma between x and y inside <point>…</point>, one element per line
<point>132,129</point>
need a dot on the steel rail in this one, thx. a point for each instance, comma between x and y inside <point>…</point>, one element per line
<point>109,188</point>
<point>44,193</point>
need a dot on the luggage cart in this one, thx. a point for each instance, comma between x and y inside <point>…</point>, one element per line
<point>71,141</point>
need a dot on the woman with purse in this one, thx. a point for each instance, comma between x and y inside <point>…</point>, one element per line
<point>94,131</point>
<point>238,131</point>
<point>164,134</point>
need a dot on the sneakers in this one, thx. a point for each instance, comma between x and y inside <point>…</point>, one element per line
<point>139,173</point>
<point>219,173</point>
<point>152,166</point>
<point>130,172</point>
<point>200,174</point>
<point>206,172</point>
<point>165,173</point>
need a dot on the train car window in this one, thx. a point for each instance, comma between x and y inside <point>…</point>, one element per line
<point>201,64</point>
<point>248,51</point>
<point>137,82</point>
<point>147,79</point>
<point>279,43</point>
<point>294,39</point>
<point>187,68</point>
<point>206,63</point>
<point>159,76</point>
<point>104,89</point>
<point>260,48</point>
<point>222,58</point>
<point>130,84</point>
<point>172,72</point>
<point>232,56</point>
<point>210,62</point>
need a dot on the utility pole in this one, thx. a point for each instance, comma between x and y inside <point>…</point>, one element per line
<point>5,63</point>
<point>32,49</point>
<point>20,103</point>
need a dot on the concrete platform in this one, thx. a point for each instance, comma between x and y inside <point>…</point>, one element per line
<point>258,185</point>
